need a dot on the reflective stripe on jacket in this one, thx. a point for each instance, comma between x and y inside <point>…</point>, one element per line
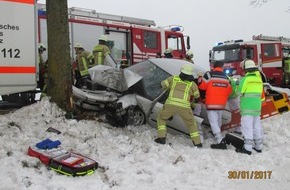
<point>100,52</point>
<point>180,91</point>
<point>217,89</point>
<point>251,90</point>
<point>84,60</point>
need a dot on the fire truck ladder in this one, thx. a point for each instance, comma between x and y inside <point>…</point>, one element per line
<point>92,14</point>
<point>271,38</point>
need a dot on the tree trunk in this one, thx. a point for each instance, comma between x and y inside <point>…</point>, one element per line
<point>59,85</point>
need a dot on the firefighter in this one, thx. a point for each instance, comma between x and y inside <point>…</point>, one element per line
<point>250,90</point>
<point>183,93</point>
<point>101,50</point>
<point>168,53</point>
<point>43,67</point>
<point>84,60</point>
<point>287,69</point>
<point>189,56</point>
<point>217,88</point>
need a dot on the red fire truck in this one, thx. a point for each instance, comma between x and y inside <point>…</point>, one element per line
<point>266,51</point>
<point>130,39</point>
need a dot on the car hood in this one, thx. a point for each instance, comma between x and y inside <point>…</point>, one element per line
<point>114,78</point>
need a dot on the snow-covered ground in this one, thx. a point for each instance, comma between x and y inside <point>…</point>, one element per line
<point>131,158</point>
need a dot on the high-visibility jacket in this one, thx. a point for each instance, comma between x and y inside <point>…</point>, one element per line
<point>84,59</point>
<point>100,52</point>
<point>234,88</point>
<point>217,89</point>
<point>181,92</point>
<point>287,65</point>
<point>251,91</point>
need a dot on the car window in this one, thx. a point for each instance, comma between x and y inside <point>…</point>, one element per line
<point>152,77</point>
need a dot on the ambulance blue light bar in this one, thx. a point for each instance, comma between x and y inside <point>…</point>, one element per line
<point>175,29</point>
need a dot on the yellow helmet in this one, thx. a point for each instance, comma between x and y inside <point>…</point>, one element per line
<point>187,69</point>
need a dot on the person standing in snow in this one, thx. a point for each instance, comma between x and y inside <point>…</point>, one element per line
<point>84,61</point>
<point>251,96</point>
<point>101,50</point>
<point>217,88</point>
<point>182,90</point>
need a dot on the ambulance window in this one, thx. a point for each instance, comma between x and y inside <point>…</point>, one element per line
<point>150,39</point>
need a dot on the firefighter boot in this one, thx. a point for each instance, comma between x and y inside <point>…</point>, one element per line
<point>160,140</point>
<point>197,145</point>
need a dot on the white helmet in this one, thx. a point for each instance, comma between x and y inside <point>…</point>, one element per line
<point>168,50</point>
<point>190,54</point>
<point>41,47</point>
<point>248,64</point>
<point>103,38</point>
<point>187,69</point>
<point>78,45</point>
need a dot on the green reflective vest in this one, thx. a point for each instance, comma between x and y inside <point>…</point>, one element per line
<point>250,89</point>
<point>287,65</point>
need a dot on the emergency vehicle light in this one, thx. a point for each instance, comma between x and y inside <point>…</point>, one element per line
<point>175,29</point>
<point>237,41</point>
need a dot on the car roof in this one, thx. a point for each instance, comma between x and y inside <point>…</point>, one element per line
<point>173,66</point>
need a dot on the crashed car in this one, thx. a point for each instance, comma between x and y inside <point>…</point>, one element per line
<point>133,96</point>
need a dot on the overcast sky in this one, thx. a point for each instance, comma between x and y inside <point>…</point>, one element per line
<point>205,21</point>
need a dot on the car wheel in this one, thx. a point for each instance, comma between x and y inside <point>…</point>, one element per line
<point>134,116</point>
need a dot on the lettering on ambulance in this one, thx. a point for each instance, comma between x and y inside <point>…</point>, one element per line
<point>8,52</point>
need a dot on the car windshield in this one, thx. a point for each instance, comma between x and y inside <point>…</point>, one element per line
<point>152,77</point>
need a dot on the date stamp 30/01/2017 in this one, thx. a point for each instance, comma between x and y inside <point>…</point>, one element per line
<point>233,174</point>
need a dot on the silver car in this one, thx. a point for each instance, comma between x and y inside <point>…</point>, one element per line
<point>131,96</point>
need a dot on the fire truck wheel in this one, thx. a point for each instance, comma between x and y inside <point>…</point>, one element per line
<point>134,116</point>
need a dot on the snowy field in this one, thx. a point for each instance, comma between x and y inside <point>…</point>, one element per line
<point>131,158</point>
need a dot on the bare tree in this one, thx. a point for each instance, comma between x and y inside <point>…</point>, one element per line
<point>257,3</point>
<point>59,86</point>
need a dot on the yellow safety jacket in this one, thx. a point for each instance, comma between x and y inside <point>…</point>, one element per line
<point>181,92</point>
<point>287,65</point>
<point>100,52</point>
<point>84,61</point>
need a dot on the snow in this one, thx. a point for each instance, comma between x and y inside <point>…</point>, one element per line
<point>131,157</point>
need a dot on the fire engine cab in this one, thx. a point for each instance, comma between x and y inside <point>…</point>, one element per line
<point>267,52</point>
<point>131,40</point>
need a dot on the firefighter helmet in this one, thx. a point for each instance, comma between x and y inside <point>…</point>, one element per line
<point>248,64</point>
<point>78,45</point>
<point>187,69</point>
<point>168,51</point>
<point>41,47</point>
<point>189,54</point>
<point>103,38</point>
